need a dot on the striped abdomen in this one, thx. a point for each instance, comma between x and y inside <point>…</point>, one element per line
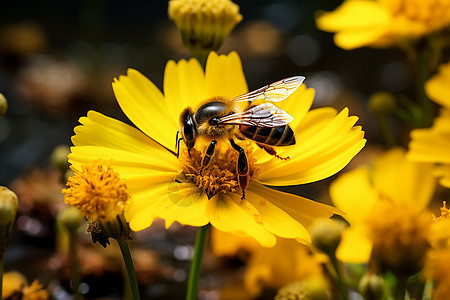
<point>272,136</point>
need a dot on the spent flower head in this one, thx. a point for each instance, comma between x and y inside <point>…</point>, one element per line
<point>97,191</point>
<point>101,196</point>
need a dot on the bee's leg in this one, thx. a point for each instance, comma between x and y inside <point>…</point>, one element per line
<point>271,151</point>
<point>209,153</point>
<point>242,167</point>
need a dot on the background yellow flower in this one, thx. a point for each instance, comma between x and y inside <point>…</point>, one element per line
<point>382,23</point>
<point>433,144</point>
<point>391,179</point>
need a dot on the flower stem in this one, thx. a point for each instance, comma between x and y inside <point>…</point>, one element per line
<point>130,268</point>
<point>342,287</point>
<point>421,77</point>
<point>74,265</point>
<point>194,273</point>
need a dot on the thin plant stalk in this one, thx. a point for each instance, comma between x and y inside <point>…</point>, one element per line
<point>2,252</point>
<point>342,287</point>
<point>125,249</point>
<point>196,264</point>
<point>74,265</point>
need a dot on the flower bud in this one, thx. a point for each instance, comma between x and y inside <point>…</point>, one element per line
<point>70,218</point>
<point>59,158</point>
<point>382,104</point>
<point>326,234</point>
<point>8,209</point>
<point>372,287</point>
<point>204,24</point>
<point>3,105</point>
<point>314,288</point>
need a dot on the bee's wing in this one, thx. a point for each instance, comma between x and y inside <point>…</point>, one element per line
<point>263,115</point>
<point>273,92</point>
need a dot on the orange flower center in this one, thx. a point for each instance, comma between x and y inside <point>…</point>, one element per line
<point>220,175</point>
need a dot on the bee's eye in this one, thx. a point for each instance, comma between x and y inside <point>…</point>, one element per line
<point>188,130</point>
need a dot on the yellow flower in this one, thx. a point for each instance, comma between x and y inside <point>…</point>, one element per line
<point>433,144</point>
<point>382,23</point>
<point>288,261</point>
<point>15,286</point>
<point>161,185</point>
<point>392,179</point>
<point>400,234</point>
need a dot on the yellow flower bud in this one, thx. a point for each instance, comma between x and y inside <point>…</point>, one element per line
<point>326,234</point>
<point>8,209</point>
<point>3,105</point>
<point>204,24</point>
<point>314,288</point>
<point>382,104</point>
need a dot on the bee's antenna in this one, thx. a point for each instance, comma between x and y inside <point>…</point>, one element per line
<point>177,143</point>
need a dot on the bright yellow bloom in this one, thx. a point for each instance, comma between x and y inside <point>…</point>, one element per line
<point>400,234</point>
<point>382,23</point>
<point>97,191</point>
<point>433,144</point>
<point>392,179</point>
<point>288,261</point>
<point>16,285</point>
<point>160,185</point>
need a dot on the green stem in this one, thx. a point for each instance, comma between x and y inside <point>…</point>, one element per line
<point>194,273</point>
<point>385,132</point>
<point>400,288</point>
<point>342,287</point>
<point>130,268</point>
<point>422,75</point>
<point>74,265</point>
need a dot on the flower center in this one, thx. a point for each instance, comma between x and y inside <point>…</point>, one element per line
<point>97,191</point>
<point>220,175</point>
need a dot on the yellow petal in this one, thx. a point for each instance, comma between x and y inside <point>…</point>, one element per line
<point>402,180</point>
<point>353,15</point>
<point>357,24</point>
<point>298,104</point>
<point>227,244</point>
<point>125,162</point>
<point>443,171</point>
<point>354,194</point>
<point>146,107</point>
<point>276,220</point>
<point>161,201</point>
<point>438,87</point>
<point>322,148</point>
<point>100,130</point>
<point>224,76</point>
<point>355,246</point>
<point>184,85</point>
<point>229,213</point>
<point>303,210</point>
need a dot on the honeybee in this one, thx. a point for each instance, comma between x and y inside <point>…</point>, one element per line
<point>240,117</point>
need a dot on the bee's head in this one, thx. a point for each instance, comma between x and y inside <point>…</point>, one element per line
<point>187,128</point>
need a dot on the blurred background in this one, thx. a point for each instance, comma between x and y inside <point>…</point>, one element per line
<point>57,61</point>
